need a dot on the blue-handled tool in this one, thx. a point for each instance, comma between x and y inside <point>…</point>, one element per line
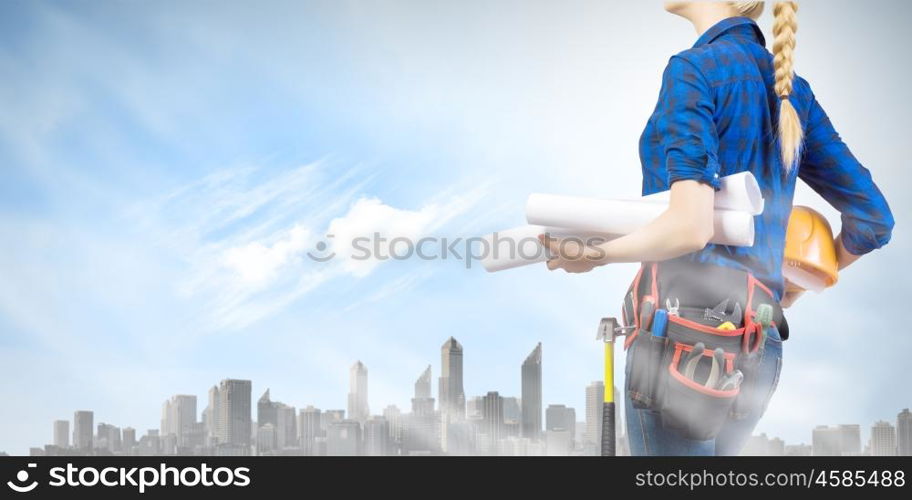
<point>659,323</point>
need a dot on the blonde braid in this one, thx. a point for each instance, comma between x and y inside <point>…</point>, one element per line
<point>785,25</point>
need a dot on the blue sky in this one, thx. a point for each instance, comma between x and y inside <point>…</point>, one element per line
<point>165,167</point>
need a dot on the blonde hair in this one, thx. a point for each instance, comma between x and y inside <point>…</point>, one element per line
<point>785,25</point>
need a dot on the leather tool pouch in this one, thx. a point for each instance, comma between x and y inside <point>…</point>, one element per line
<point>657,376</point>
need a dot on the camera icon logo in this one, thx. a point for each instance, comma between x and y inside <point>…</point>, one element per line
<point>21,477</point>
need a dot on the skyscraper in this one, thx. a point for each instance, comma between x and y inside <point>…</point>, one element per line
<point>266,410</point>
<point>532,395</point>
<point>108,437</point>
<point>357,395</point>
<point>62,433</point>
<point>850,439</point>
<point>393,415</point>
<point>836,441</point>
<point>560,417</point>
<point>904,433</point>
<point>419,430</point>
<point>560,429</point>
<point>310,427</point>
<point>451,394</point>
<point>285,426</point>
<point>343,438</point>
<point>423,384</point>
<point>179,418</point>
<point>493,416</point>
<point>83,422</point>
<point>376,437</point>
<point>883,439</point>
<point>213,415</point>
<point>595,396</point>
<point>129,438</point>
<point>234,424</point>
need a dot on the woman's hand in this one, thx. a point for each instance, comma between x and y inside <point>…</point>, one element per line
<point>572,255</point>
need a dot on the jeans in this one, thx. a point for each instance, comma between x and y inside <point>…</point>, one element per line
<point>647,436</point>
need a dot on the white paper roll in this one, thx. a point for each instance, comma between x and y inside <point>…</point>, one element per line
<point>626,216</point>
<point>520,246</point>
<point>738,192</point>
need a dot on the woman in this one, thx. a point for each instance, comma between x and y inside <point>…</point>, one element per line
<point>726,105</point>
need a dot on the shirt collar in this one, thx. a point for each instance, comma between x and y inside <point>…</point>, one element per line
<point>743,26</point>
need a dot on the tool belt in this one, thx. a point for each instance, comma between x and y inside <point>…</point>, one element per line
<point>703,368</point>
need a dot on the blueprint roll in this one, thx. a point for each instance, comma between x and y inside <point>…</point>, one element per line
<point>620,217</point>
<point>739,192</point>
<point>520,246</point>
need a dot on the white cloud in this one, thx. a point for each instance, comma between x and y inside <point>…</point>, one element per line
<point>245,233</point>
<point>257,264</point>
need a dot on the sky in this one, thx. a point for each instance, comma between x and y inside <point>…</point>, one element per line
<point>165,168</point>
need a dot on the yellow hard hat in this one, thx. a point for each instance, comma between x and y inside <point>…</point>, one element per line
<point>810,253</point>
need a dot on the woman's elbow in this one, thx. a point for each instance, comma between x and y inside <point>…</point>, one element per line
<point>694,236</point>
<point>701,237</point>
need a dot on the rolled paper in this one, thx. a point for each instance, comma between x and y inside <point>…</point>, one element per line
<point>739,192</point>
<point>626,216</point>
<point>737,201</point>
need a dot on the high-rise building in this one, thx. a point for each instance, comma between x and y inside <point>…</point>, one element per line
<point>83,423</point>
<point>493,415</point>
<point>560,418</point>
<point>62,433</point>
<point>343,438</point>
<point>109,438</point>
<point>595,396</point>
<point>419,429</point>
<point>883,439</point>
<point>330,416</point>
<point>286,432</point>
<point>376,437</point>
<point>266,438</point>
<point>776,447</point>
<point>266,410</point>
<point>512,411</point>
<point>234,422</point>
<point>475,408</point>
<point>560,430</point>
<point>532,395</point>
<point>825,441</point>
<point>423,403</point>
<point>850,439</point>
<point>393,415</point>
<point>357,395</point>
<point>836,441</point>
<point>423,384</point>
<point>904,433</point>
<point>451,394</point>
<point>213,416</point>
<point>310,427</point>
<point>129,438</point>
<point>179,419</point>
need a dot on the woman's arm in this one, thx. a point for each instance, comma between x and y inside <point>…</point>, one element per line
<point>687,130</point>
<point>685,227</point>
<point>830,169</point>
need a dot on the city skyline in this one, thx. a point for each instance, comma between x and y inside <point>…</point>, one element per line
<point>489,424</point>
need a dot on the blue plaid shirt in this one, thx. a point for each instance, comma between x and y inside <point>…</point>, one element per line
<point>717,115</point>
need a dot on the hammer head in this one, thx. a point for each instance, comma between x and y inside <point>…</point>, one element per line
<point>607,329</point>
